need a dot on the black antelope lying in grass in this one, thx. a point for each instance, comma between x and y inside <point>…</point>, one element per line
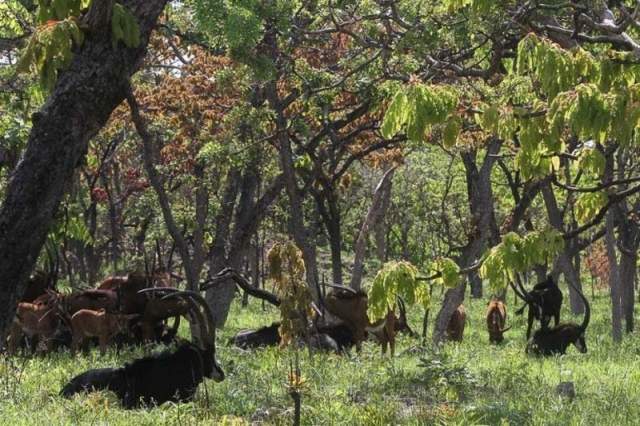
<point>556,340</point>
<point>168,376</point>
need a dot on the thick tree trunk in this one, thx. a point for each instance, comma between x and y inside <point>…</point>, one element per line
<point>383,191</point>
<point>564,263</point>
<point>83,98</point>
<point>331,218</point>
<point>628,266</point>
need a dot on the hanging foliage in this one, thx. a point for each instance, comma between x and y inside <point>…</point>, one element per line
<point>287,270</point>
<point>516,254</point>
<point>49,49</point>
<point>395,279</point>
<point>124,27</point>
<point>417,107</point>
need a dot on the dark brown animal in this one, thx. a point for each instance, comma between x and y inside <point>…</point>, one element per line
<point>128,290</point>
<point>38,284</point>
<point>496,319</point>
<point>350,306</point>
<point>87,323</point>
<point>556,340</point>
<point>160,309</point>
<point>88,299</point>
<point>455,328</point>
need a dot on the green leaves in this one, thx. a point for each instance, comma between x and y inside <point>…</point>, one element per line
<point>124,27</point>
<point>591,160</point>
<point>417,108</point>
<point>59,10</point>
<point>449,272</point>
<point>589,204</point>
<point>393,280</point>
<point>397,115</point>
<point>50,47</point>
<point>516,254</point>
<point>49,50</point>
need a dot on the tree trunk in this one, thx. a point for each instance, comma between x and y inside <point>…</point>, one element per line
<point>564,263</point>
<point>383,190</point>
<point>297,228</point>
<point>82,100</point>
<point>229,245</point>
<point>614,279</point>
<point>480,198</point>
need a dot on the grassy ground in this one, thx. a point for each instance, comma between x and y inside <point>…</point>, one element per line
<point>468,383</point>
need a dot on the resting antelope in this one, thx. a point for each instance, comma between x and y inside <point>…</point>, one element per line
<point>168,376</point>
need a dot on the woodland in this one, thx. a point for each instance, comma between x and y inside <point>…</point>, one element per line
<point>341,212</point>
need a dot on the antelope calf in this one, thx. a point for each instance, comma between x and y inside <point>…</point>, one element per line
<point>496,318</point>
<point>87,323</point>
<point>455,328</point>
<point>32,320</point>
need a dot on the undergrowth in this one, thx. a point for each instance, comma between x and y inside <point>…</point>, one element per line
<point>472,382</point>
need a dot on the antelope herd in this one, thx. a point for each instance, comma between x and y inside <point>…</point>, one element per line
<point>136,308</point>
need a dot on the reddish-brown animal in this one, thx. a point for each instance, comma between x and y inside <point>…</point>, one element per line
<point>88,323</point>
<point>33,320</point>
<point>455,328</point>
<point>496,319</point>
<point>351,307</point>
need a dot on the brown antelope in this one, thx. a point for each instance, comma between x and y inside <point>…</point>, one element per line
<point>455,328</point>
<point>351,307</point>
<point>88,323</point>
<point>33,320</point>
<point>496,319</point>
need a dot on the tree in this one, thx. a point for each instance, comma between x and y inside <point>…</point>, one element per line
<point>83,97</point>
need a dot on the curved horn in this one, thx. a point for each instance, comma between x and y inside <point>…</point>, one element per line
<point>158,290</point>
<point>208,328</point>
<point>587,308</point>
<point>342,287</point>
<point>517,292</point>
<point>523,291</point>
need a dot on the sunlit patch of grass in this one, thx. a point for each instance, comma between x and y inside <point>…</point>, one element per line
<point>468,383</point>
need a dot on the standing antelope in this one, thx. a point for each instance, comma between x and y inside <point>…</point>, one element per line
<point>455,328</point>
<point>88,323</point>
<point>496,319</point>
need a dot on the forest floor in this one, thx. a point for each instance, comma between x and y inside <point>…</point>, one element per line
<point>468,383</point>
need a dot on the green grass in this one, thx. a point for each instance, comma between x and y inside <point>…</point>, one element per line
<point>468,383</point>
